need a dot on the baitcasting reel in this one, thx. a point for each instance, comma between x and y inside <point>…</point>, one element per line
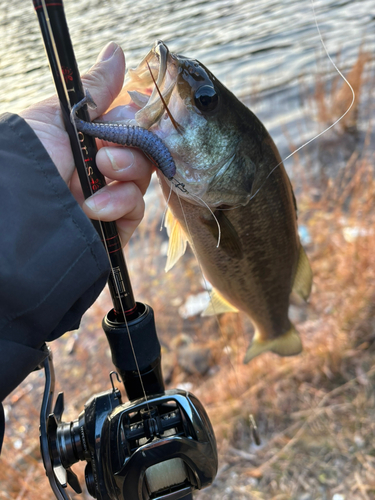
<point>157,448</point>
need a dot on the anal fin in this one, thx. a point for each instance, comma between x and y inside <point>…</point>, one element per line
<point>218,305</point>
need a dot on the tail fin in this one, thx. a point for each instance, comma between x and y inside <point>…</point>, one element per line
<point>288,344</point>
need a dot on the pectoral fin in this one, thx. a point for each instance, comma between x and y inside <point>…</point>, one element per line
<point>177,240</point>
<point>288,344</point>
<point>217,305</point>
<point>229,240</point>
<point>303,278</point>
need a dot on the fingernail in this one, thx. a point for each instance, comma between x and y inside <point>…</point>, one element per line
<point>107,52</point>
<point>98,201</point>
<point>127,159</point>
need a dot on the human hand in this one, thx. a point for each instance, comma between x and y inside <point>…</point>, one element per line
<point>127,169</point>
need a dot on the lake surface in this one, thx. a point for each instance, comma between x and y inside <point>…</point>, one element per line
<point>261,50</point>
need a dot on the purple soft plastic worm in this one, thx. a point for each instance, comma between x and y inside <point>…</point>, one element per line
<point>128,135</point>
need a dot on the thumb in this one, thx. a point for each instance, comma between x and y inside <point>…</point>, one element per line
<point>105,79</point>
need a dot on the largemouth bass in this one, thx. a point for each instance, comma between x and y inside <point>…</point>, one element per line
<point>225,160</point>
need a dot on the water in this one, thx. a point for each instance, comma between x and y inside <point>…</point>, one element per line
<point>259,49</point>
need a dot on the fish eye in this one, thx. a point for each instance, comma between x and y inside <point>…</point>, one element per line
<point>206,98</point>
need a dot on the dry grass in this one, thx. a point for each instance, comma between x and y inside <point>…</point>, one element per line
<point>315,412</point>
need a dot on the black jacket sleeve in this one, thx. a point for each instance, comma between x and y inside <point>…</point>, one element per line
<point>52,262</point>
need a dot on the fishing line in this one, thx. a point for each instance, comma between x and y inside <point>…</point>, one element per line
<point>330,126</point>
<point>213,215</point>
<point>57,60</point>
<point>123,311</point>
<point>121,304</point>
<point>184,190</point>
<point>303,145</point>
<point>166,208</point>
<point>207,289</point>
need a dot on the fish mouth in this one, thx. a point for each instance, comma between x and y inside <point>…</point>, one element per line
<point>158,67</point>
<point>161,52</point>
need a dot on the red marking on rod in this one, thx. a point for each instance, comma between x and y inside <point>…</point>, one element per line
<point>131,310</point>
<point>68,74</point>
<point>112,243</point>
<point>55,4</point>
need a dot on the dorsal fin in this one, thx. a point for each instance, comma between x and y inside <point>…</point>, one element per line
<point>177,240</point>
<point>303,278</point>
<point>217,305</point>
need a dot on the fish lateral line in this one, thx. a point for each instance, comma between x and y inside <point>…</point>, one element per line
<point>126,135</point>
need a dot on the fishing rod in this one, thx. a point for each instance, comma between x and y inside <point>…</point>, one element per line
<point>160,444</point>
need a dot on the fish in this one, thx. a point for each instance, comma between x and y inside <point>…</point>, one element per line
<point>230,198</point>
